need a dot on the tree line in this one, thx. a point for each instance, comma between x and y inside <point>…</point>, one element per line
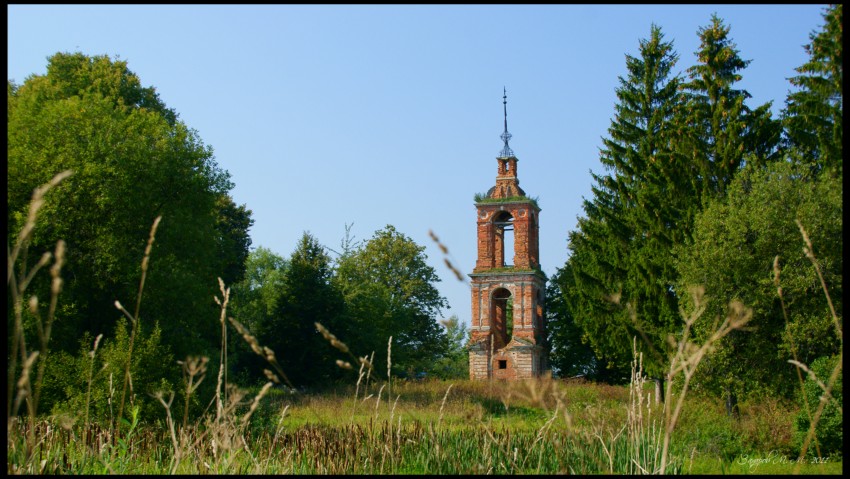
<point>702,189</point>
<point>132,160</point>
<point>378,297</point>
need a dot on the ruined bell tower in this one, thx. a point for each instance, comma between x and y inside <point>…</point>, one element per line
<point>507,335</point>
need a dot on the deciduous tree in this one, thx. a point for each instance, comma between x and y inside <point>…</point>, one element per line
<point>255,301</point>
<point>736,241</point>
<point>132,161</point>
<point>390,290</point>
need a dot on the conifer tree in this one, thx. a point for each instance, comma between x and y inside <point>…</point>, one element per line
<point>813,113</point>
<point>308,296</point>
<point>738,236</point>
<point>720,132</point>
<point>621,251</point>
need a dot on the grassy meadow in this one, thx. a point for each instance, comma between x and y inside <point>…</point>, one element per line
<point>429,427</point>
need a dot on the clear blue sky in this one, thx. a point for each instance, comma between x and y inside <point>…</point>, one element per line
<point>327,115</point>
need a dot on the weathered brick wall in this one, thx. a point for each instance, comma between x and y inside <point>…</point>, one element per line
<point>526,290</point>
<point>478,358</point>
<point>486,258</point>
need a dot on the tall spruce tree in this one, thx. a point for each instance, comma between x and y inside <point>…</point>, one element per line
<point>813,113</point>
<point>719,131</point>
<point>639,210</point>
<point>573,356</point>
<point>738,236</point>
<point>308,296</point>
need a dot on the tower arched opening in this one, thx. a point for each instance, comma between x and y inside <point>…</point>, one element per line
<point>503,228</point>
<point>501,317</point>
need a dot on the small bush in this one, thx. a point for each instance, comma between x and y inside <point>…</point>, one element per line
<point>153,369</point>
<point>705,426</point>
<point>767,424</point>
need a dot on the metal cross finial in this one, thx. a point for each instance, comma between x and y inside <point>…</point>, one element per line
<point>506,151</point>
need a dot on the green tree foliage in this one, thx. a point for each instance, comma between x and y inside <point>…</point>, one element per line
<point>254,300</point>
<point>735,243</point>
<point>234,243</point>
<point>66,382</point>
<point>572,356</point>
<point>390,291</point>
<point>813,113</point>
<point>258,295</point>
<point>829,430</point>
<point>133,160</point>
<point>639,210</point>
<point>593,263</point>
<point>738,236</point>
<point>454,363</point>
<point>675,145</point>
<point>308,296</point>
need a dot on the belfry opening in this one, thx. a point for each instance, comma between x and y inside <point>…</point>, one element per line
<point>504,239</point>
<point>501,317</point>
<point>507,333</point>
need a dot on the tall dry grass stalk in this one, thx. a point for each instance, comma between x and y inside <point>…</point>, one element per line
<point>92,354</point>
<point>169,421</point>
<point>23,390</point>
<point>644,445</point>
<point>134,319</point>
<point>192,367</point>
<point>687,357</point>
<point>360,375</point>
<point>224,432</point>
<point>264,352</point>
<point>448,258</point>
<point>44,331</point>
<point>443,405</point>
<point>222,379</point>
<point>389,365</point>
<point>808,250</point>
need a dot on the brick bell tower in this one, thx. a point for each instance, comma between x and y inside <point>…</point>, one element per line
<point>507,335</point>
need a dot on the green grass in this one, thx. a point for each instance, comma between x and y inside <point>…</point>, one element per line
<point>766,464</point>
<point>498,428</point>
<point>482,198</point>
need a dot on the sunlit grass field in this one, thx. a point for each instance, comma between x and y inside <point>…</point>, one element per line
<point>433,427</point>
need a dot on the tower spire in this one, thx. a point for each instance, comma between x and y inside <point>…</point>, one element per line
<point>506,151</point>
